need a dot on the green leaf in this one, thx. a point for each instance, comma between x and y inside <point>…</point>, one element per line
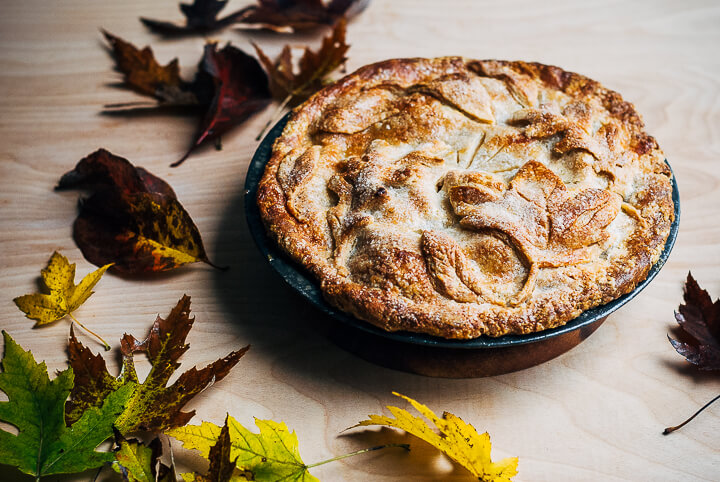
<point>137,462</point>
<point>272,455</point>
<point>35,406</point>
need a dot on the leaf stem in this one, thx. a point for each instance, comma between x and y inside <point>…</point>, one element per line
<point>275,117</point>
<point>75,320</point>
<point>358,452</point>
<point>670,430</point>
<point>97,474</point>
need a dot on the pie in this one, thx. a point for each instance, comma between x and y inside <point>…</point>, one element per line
<point>461,198</point>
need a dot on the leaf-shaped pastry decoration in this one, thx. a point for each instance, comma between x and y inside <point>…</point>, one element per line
<point>522,87</point>
<point>548,224</point>
<point>451,271</point>
<point>580,220</point>
<point>463,92</point>
<point>293,173</point>
<point>541,123</point>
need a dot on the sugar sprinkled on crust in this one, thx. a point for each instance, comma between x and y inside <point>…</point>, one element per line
<point>462,198</point>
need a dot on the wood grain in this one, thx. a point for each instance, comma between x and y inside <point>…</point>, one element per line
<point>595,413</point>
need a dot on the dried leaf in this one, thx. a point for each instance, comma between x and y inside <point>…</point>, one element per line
<point>240,90</point>
<point>699,332</point>
<point>44,445</point>
<point>132,219</point>
<point>200,17</point>
<point>228,87</point>
<point>314,67</point>
<point>271,455</point>
<point>288,16</point>
<point>457,439</point>
<point>153,406</point>
<point>137,462</point>
<point>146,76</point>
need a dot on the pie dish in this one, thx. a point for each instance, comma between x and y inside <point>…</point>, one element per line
<point>460,198</point>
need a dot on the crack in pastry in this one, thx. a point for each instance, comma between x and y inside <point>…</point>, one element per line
<point>462,198</point>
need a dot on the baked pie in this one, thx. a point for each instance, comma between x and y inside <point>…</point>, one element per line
<point>462,198</point>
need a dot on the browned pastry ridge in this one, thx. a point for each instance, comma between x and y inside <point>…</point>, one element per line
<point>461,198</point>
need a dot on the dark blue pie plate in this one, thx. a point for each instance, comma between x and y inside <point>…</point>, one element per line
<point>357,333</point>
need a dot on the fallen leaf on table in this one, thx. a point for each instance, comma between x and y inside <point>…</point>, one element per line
<point>44,444</point>
<point>269,456</point>
<point>222,465</point>
<point>314,67</point>
<point>153,406</point>
<point>146,76</point>
<point>456,439</point>
<point>133,218</point>
<point>240,89</point>
<point>698,334</point>
<point>288,16</point>
<point>64,295</point>
<point>200,17</point>
<point>137,462</point>
<point>228,88</point>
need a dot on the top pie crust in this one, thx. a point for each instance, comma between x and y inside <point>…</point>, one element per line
<point>461,198</point>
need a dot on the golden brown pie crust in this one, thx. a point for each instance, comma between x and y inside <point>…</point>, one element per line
<point>462,198</point>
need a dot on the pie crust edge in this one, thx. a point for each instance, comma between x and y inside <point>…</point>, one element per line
<point>393,312</point>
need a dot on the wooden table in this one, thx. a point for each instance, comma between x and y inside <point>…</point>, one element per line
<point>595,413</point>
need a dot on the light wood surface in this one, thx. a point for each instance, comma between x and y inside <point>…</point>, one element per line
<point>595,413</point>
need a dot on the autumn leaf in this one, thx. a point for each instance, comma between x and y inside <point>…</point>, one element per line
<point>146,76</point>
<point>44,445</point>
<point>137,462</point>
<point>269,456</point>
<point>699,331</point>
<point>228,88</point>
<point>456,439</point>
<point>154,406</point>
<point>64,295</point>
<point>288,16</point>
<point>222,466</point>
<point>200,17</point>
<point>240,90</point>
<point>132,219</point>
<point>314,67</point>
<point>698,334</point>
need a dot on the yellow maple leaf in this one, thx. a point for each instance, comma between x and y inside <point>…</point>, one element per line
<point>457,439</point>
<point>64,295</point>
